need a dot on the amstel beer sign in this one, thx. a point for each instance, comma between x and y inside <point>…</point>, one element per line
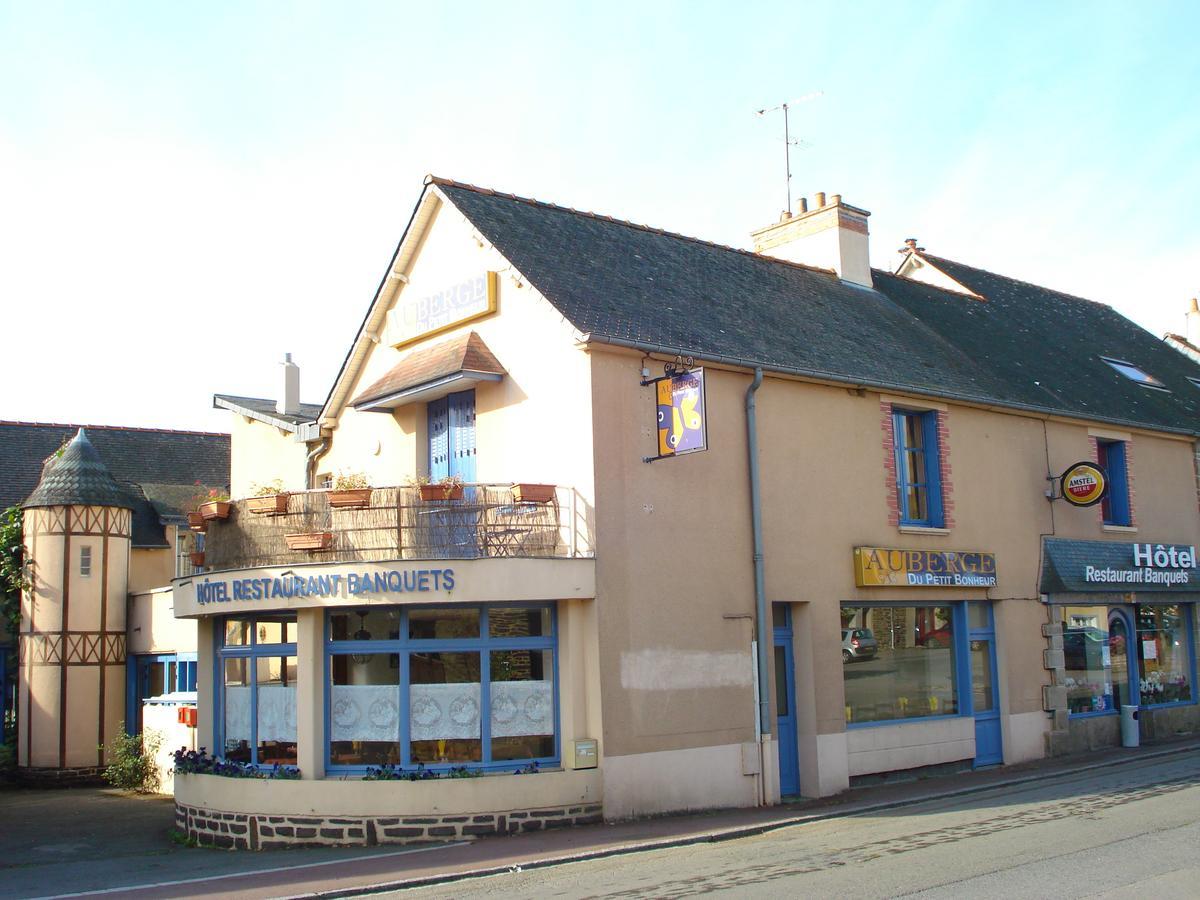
<point>1084,484</point>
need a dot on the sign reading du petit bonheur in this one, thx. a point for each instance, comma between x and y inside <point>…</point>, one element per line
<point>890,567</point>
<point>418,315</point>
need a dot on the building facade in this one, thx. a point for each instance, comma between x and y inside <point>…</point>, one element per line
<point>679,526</point>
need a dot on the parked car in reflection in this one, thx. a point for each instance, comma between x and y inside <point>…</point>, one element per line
<point>858,643</point>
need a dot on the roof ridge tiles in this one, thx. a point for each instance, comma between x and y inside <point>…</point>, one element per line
<point>112,428</point>
<point>650,229</point>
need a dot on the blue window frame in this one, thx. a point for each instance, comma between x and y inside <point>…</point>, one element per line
<point>157,676</point>
<point>918,468</point>
<point>255,709</point>
<point>409,686</point>
<point>1115,505</point>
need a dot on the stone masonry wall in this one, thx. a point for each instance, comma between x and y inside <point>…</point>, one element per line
<point>248,831</point>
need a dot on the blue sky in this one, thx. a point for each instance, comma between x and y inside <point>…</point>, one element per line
<point>231,178</point>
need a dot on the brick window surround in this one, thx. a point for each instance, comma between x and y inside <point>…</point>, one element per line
<point>886,411</point>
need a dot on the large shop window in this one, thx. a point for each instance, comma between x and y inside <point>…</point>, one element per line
<point>257,674</point>
<point>918,468</point>
<point>1101,659</point>
<point>445,686</point>
<point>898,662</point>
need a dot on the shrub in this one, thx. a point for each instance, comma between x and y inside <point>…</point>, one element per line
<point>132,765</point>
<point>351,481</point>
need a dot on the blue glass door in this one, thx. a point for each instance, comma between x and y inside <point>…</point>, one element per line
<point>985,693</point>
<point>785,702</point>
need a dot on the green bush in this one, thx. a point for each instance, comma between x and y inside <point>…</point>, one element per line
<point>132,766</point>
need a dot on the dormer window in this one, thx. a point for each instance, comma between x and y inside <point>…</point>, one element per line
<point>1135,374</point>
<point>1195,381</point>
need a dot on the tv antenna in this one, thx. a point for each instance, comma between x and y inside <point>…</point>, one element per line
<point>788,143</point>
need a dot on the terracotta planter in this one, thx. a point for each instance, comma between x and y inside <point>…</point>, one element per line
<point>196,521</point>
<point>197,557</point>
<point>268,504</point>
<point>431,492</point>
<point>533,493</point>
<point>215,509</point>
<point>311,540</point>
<point>357,498</point>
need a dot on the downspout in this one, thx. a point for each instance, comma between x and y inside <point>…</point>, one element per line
<point>310,463</point>
<point>760,590</point>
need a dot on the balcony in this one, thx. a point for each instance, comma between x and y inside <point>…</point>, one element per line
<point>487,522</point>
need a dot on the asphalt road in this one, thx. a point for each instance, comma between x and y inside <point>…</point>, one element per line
<point>1129,831</point>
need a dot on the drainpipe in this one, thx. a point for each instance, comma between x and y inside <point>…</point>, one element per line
<point>311,460</point>
<point>760,590</point>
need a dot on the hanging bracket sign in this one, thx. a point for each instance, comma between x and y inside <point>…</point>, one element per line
<point>679,403</point>
<point>1083,484</point>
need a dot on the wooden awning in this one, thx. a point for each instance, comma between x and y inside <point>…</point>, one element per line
<point>432,372</point>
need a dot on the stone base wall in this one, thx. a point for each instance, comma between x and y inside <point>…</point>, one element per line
<point>1104,732</point>
<point>248,831</point>
<point>77,777</point>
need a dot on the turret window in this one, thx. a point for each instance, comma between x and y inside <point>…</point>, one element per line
<point>85,562</point>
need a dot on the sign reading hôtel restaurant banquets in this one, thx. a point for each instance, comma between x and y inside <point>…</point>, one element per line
<point>1116,566</point>
<point>890,567</point>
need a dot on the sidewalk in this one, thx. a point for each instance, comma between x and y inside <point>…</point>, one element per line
<point>409,867</point>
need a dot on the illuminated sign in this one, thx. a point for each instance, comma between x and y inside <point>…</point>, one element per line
<point>418,317</point>
<point>680,411</point>
<point>888,567</point>
<point>1084,484</point>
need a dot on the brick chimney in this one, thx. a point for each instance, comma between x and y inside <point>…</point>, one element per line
<point>289,403</point>
<point>830,235</point>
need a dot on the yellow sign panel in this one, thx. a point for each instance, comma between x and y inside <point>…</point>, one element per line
<point>420,316</point>
<point>891,567</point>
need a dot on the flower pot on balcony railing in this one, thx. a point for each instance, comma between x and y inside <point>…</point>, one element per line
<point>196,521</point>
<point>215,509</point>
<point>447,489</point>
<point>310,540</point>
<point>268,504</point>
<point>533,493</point>
<point>197,558</point>
<point>355,498</point>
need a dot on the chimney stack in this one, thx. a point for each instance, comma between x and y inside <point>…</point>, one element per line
<point>829,235</point>
<point>289,403</point>
<point>1193,323</point>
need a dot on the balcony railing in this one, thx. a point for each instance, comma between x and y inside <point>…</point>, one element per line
<point>487,521</point>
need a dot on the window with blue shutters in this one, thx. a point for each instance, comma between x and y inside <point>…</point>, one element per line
<point>1115,506</point>
<point>452,437</point>
<point>918,468</point>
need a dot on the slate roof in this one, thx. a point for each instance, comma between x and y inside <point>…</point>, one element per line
<point>78,477</point>
<point>164,465</point>
<point>1025,347</point>
<point>265,410</point>
<point>466,353</point>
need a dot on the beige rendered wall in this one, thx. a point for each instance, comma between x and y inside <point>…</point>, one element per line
<point>675,556</point>
<point>152,568</point>
<point>260,453</point>
<point>534,425</point>
<point>153,628</point>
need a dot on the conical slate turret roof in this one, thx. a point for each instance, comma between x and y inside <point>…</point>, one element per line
<point>78,477</point>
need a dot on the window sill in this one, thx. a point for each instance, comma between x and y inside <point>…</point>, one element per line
<point>1120,529</point>
<point>923,529</point>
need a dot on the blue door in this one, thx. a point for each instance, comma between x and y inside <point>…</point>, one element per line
<point>452,437</point>
<point>985,694</point>
<point>785,703</point>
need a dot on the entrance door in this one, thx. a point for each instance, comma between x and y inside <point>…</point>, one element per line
<point>1124,663</point>
<point>785,703</point>
<point>453,529</point>
<point>985,694</point>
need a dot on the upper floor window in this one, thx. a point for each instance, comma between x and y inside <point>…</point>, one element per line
<point>1115,505</point>
<point>85,561</point>
<point>918,468</point>
<point>1134,373</point>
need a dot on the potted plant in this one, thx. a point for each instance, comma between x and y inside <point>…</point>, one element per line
<point>214,505</point>
<point>448,488</point>
<point>197,558</point>
<point>269,499</point>
<point>351,490</point>
<point>196,521</point>
<point>310,540</point>
<point>533,493</point>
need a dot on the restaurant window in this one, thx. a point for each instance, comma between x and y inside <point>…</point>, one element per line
<point>918,475</point>
<point>1115,507</point>
<point>257,690</point>
<point>442,686</point>
<point>898,663</point>
<point>1095,660</point>
<point>1164,649</point>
